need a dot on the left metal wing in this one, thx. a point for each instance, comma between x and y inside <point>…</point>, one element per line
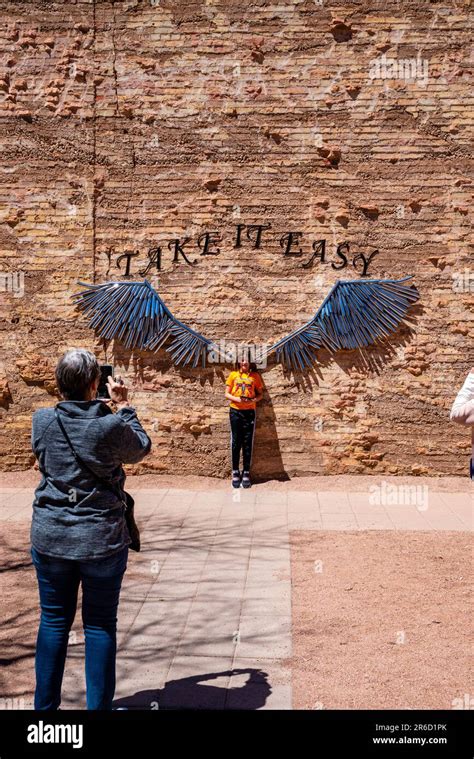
<point>134,313</point>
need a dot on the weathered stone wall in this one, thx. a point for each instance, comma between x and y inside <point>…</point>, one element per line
<point>127,124</point>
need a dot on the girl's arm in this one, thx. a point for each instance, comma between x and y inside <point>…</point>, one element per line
<point>259,391</point>
<point>462,410</point>
<point>231,397</point>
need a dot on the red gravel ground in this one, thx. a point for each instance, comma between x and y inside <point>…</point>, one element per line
<point>384,621</point>
<point>19,616</point>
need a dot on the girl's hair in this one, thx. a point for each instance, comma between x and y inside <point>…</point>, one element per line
<point>252,367</point>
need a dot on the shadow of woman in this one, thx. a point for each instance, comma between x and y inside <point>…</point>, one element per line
<point>194,693</point>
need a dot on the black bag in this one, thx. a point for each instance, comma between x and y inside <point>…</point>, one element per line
<point>127,500</point>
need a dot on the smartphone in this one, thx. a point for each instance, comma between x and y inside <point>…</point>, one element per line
<point>106,371</point>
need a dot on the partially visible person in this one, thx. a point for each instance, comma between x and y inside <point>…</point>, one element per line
<point>462,410</point>
<point>244,389</point>
<point>78,533</point>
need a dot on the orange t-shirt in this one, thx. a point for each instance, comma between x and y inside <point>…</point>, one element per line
<point>244,384</point>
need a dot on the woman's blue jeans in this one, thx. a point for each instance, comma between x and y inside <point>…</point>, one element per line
<point>58,582</point>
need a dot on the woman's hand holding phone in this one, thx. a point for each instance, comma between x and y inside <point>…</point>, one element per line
<point>118,391</point>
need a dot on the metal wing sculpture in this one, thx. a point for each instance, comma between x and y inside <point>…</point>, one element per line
<point>355,313</point>
<point>134,313</point>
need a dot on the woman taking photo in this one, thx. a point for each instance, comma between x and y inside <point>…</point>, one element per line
<point>244,389</point>
<point>79,533</point>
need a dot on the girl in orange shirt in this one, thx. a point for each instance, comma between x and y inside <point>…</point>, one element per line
<point>244,389</point>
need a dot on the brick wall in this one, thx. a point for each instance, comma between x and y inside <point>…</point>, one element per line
<point>127,124</point>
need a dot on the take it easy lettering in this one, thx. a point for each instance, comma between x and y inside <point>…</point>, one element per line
<point>183,250</point>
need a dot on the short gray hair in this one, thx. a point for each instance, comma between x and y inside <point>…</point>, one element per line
<point>75,372</point>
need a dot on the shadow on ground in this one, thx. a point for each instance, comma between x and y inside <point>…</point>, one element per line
<point>142,642</point>
<point>195,693</point>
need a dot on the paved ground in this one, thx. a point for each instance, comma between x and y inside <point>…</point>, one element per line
<point>205,614</point>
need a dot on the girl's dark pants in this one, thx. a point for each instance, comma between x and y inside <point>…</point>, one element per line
<point>242,428</point>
